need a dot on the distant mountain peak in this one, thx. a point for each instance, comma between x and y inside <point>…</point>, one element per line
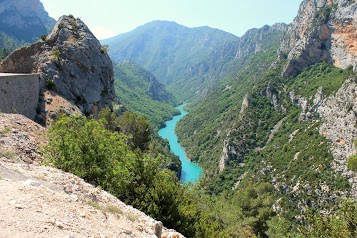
<point>187,60</point>
<point>24,20</point>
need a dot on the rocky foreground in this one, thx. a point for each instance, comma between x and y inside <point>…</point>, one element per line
<point>41,201</point>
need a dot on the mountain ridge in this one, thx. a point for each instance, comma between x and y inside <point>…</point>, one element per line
<point>186,60</point>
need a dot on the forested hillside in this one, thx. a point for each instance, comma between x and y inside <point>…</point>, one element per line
<point>275,137</point>
<point>139,91</point>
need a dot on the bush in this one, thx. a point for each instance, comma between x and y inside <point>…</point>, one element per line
<point>56,54</point>
<point>104,49</point>
<point>50,83</point>
<point>103,158</point>
<point>342,223</point>
<point>352,161</point>
<point>43,37</point>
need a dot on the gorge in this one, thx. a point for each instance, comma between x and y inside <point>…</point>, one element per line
<point>190,171</point>
<point>270,121</point>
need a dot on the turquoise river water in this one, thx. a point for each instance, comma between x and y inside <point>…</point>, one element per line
<point>190,171</point>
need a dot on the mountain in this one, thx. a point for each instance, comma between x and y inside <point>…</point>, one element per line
<point>188,61</point>
<point>275,137</point>
<point>139,91</point>
<point>272,121</point>
<point>178,56</point>
<point>21,22</point>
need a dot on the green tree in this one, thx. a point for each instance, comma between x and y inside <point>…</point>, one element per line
<point>104,158</point>
<point>340,224</point>
<point>137,128</point>
<point>88,150</point>
<point>352,161</point>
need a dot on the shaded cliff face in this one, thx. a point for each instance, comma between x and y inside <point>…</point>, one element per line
<point>24,20</point>
<point>324,30</point>
<point>72,62</point>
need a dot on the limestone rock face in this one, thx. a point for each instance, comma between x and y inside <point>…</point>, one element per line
<point>253,40</point>
<point>339,116</point>
<point>324,30</point>
<point>72,62</point>
<point>228,153</point>
<point>80,68</point>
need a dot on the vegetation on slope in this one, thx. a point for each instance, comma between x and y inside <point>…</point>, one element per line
<point>294,163</point>
<point>100,153</point>
<point>203,130</point>
<point>278,179</point>
<point>140,92</point>
<point>7,45</point>
<point>175,54</point>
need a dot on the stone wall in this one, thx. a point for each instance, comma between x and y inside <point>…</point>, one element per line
<point>19,93</point>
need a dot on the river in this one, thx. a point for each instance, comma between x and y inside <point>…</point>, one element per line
<point>190,171</point>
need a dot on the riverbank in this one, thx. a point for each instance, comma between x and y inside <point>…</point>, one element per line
<point>191,172</point>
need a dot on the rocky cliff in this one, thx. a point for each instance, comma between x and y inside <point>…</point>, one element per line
<point>255,40</point>
<point>324,30</point>
<point>339,113</point>
<point>71,62</point>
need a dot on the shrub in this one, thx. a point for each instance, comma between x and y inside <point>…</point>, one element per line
<point>5,131</point>
<point>43,37</point>
<point>50,83</point>
<point>352,161</point>
<point>103,158</point>
<point>104,49</point>
<point>56,54</point>
<point>342,223</point>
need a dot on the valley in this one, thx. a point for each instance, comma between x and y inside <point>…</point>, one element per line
<point>190,172</point>
<point>208,133</point>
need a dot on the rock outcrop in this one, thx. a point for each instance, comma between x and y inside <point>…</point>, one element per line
<point>339,114</point>
<point>72,62</point>
<point>324,30</point>
<point>20,138</point>
<point>255,40</point>
<point>66,206</point>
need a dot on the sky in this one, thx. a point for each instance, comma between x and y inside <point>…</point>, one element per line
<point>107,18</point>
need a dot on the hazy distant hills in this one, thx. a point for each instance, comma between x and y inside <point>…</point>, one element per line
<point>22,21</point>
<point>174,53</point>
<point>189,61</point>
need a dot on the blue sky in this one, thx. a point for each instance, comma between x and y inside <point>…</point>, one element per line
<point>108,18</point>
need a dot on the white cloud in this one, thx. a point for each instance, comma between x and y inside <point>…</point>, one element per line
<point>101,32</point>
